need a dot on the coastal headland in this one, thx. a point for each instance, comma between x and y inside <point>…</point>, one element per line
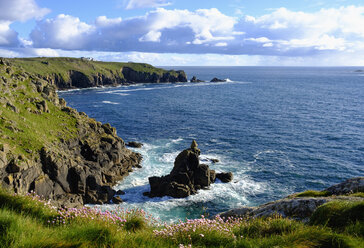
<point>53,151</point>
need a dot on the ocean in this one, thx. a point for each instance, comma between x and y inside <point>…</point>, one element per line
<point>280,130</point>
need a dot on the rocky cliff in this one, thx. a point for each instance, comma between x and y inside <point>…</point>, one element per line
<point>68,73</point>
<point>52,149</point>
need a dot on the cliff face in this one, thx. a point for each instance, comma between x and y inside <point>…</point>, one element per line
<point>68,73</point>
<point>53,150</point>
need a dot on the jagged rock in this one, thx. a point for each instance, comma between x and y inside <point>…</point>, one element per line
<point>195,80</point>
<point>120,192</point>
<point>186,177</point>
<point>117,200</point>
<point>12,107</point>
<point>134,144</point>
<point>352,185</point>
<point>225,177</point>
<point>42,106</point>
<point>217,80</point>
<point>13,166</point>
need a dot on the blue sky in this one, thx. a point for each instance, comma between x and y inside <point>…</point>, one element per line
<point>187,32</point>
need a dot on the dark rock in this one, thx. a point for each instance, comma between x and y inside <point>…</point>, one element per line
<point>13,166</point>
<point>12,107</point>
<point>117,200</point>
<point>214,160</point>
<point>186,177</point>
<point>195,80</point>
<point>42,106</point>
<point>225,177</point>
<point>349,186</point>
<point>120,192</point>
<point>217,80</point>
<point>134,144</point>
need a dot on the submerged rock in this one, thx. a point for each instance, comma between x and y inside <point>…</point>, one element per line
<point>186,177</point>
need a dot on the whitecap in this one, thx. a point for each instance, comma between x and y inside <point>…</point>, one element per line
<point>108,102</point>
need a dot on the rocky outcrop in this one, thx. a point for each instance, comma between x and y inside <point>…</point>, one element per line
<point>186,177</point>
<point>300,208</point>
<point>134,144</point>
<point>352,185</point>
<point>196,80</point>
<point>217,80</point>
<point>77,165</point>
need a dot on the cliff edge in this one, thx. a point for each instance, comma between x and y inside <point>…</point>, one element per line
<point>70,73</point>
<point>52,149</point>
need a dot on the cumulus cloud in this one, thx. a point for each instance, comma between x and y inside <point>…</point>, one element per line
<point>135,4</point>
<point>16,10</point>
<point>282,32</point>
<point>66,32</point>
<point>20,10</point>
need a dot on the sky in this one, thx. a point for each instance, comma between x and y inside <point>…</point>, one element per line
<point>187,32</point>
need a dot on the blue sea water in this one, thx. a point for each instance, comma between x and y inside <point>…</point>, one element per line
<point>280,130</point>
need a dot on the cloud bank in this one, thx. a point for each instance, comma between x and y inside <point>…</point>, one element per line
<point>282,33</point>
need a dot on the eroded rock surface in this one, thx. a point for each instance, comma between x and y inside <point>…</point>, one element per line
<point>186,177</point>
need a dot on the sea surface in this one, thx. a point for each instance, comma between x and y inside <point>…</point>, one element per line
<point>280,130</point>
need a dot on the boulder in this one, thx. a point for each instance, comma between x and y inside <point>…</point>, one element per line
<point>134,144</point>
<point>186,177</point>
<point>217,80</point>
<point>225,177</point>
<point>117,200</point>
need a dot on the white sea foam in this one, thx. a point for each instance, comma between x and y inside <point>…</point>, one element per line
<point>108,102</point>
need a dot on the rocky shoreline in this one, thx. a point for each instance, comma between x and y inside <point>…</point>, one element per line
<point>301,206</point>
<point>71,159</point>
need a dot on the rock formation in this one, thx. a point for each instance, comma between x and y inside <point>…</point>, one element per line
<point>217,80</point>
<point>134,144</point>
<point>186,177</point>
<point>301,208</point>
<point>54,150</point>
<point>196,80</point>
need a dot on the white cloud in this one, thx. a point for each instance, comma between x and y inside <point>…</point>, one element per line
<point>66,32</point>
<point>16,10</point>
<point>325,33</point>
<point>20,10</point>
<point>135,4</point>
<point>8,37</point>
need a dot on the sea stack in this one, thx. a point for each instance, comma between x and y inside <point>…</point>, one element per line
<point>186,177</point>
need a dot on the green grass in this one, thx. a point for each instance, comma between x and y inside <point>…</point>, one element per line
<point>358,194</point>
<point>32,131</point>
<point>23,224</point>
<point>339,214</point>
<point>313,193</point>
<point>62,66</point>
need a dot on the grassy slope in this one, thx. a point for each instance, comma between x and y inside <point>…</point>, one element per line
<point>24,222</point>
<point>32,131</point>
<point>62,66</point>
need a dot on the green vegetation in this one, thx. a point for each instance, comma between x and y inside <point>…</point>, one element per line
<point>23,126</point>
<point>62,66</point>
<point>27,221</point>
<point>313,193</point>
